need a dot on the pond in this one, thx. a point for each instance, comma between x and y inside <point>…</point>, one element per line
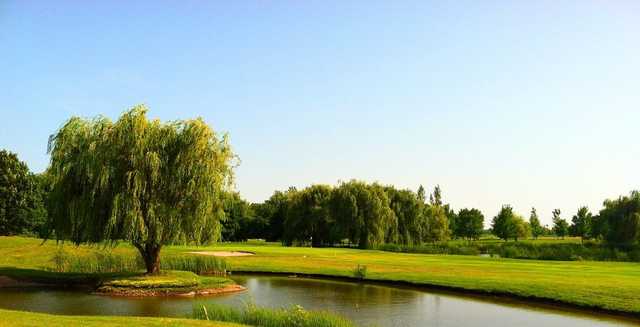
<point>367,304</point>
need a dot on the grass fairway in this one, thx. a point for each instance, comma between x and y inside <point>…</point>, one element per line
<point>605,285</point>
<point>20,318</point>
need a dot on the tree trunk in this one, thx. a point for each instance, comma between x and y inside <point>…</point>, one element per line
<point>151,255</point>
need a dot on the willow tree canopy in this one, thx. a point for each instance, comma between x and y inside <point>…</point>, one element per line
<point>140,180</point>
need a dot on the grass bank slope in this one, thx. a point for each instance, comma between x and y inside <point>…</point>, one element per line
<point>21,318</point>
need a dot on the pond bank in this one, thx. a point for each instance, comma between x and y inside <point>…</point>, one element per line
<point>491,296</point>
<point>136,292</point>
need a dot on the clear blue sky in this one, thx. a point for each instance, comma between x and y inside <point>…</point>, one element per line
<point>531,103</point>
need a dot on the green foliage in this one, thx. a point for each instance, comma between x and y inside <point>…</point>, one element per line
<point>362,213</point>
<point>470,224</point>
<point>619,221</point>
<point>534,222</point>
<point>274,212</point>
<point>560,226</point>
<point>504,224</point>
<point>523,229</point>
<point>241,221</point>
<point>140,180</point>
<point>437,224</point>
<point>22,196</point>
<point>360,272</point>
<point>408,208</point>
<point>308,217</point>
<point>60,260</point>
<point>295,316</point>
<point>581,224</point>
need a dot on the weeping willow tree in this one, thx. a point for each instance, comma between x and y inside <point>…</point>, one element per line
<point>143,181</point>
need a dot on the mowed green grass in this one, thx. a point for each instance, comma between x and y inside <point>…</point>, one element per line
<point>21,318</point>
<point>606,285</point>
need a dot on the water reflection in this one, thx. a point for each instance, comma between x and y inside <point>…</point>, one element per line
<point>367,304</point>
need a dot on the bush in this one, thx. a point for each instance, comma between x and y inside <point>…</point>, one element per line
<point>295,316</point>
<point>60,260</point>
<point>360,272</point>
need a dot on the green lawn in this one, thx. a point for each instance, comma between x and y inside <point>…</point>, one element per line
<point>21,318</point>
<point>607,285</point>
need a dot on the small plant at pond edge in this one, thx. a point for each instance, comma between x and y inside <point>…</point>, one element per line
<point>360,272</point>
<point>60,260</point>
<point>295,316</point>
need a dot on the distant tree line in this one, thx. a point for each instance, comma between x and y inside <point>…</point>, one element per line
<point>368,215</point>
<point>618,223</point>
<point>22,198</point>
<point>355,212</point>
<point>350,213</point>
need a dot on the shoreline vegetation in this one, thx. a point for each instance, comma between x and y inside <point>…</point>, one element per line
<point>23,318</point>
<point>250,314</point>
<point>610,287</point>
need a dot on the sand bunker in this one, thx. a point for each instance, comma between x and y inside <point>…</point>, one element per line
<point>223,253</point>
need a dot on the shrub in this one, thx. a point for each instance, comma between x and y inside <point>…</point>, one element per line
<point>60,260</point>
<point>360,272</point>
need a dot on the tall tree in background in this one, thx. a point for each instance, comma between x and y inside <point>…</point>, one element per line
<point>436,223</point>
<point>504,225</point>
<point>421,194</point>
<point>534,222</point>
<point>140,180</point>
<point>523,229</point>
<point>274,212</point>
<point>22,209</point>
<point>452,218</point>
<point>619,220</point>
<point>581,223</point>
<point>309,216</point>
<point>560,226</point>
<point>409,212</point>
<point>470,223</point>
<point>436,197</point>
<point>362,213</point>
<point>241,221</point>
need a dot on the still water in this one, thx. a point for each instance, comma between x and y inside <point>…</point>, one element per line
<point>367,304</point>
